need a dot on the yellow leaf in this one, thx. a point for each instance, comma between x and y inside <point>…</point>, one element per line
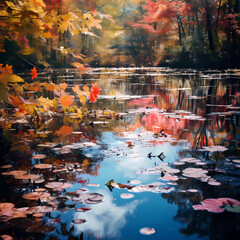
<point>26,51</point>
<point>71,109</point>
<point>55,103</point>
<point>79,113</point>
<point>30,109</point>
<point>82,99</point>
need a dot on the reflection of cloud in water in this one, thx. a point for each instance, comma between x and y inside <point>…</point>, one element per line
<point>138,159</point>
<point>105,219</point>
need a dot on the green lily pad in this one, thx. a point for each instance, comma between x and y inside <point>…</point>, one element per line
<point>235,209</point>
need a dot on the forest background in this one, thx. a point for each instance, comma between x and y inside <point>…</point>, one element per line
<point>176,33</point>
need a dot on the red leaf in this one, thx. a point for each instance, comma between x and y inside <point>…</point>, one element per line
<point>33,72</point>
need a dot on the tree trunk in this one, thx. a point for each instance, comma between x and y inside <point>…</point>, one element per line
<point>209,25</point>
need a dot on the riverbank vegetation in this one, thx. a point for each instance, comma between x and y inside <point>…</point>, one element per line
<point>57,33</point>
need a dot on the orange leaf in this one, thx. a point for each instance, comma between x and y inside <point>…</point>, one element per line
<point>77,90</point>
<point>86,90</point>
<point>80,67</point>
<point>64,131</point>
<point>63,86</point>
<point>33,72</point>
<point>85,162</point>
<point>66,100</point>
<point>49,87</point>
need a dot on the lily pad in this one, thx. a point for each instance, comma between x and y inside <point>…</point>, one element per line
<point>79,221</point>
<point>83,209</point>
<point>6,237</point>
<point>127,195</point>
<point>43,165</point>
<point>234,209</point>
<point>199,207</point>
<point>6,166</point>
<point>39,156</point>
<point>147,231</point>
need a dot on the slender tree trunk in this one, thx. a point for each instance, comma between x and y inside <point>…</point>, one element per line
<point>209,25</point>
<point>179,30</point>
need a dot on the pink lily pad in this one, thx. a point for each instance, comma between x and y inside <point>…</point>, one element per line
<point>79,221</point>
<point>83,209</point>
<point>214,209</point>
<point>170,178</point>
<point>6,237</point>
<point>229,201</point>
<point>199,207</point>
<point>192,190</point>
<point>127,195</point>
<point>212,202</point>
<point>92,185</point>
<point>147,231</point>
<point>214,183</point>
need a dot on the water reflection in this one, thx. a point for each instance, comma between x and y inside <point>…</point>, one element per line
<point>141,114</point>
<point>107,219</point>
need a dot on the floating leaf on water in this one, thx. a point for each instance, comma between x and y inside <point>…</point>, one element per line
<point>229,201</point>
<point>212,202</point>
<point>38,215</point>
<point>81,190</point>
<point>41,209</point>
<point>127,195</point>
<point>40,189</point>
<point>147,231</point>
<point>6,237</point>
<point>95,196</point>
<point>200,163</point>
<point>170,178</point>
<point>134,182</point>
<point>39,181</point>
<point>32,195</point>
<point>234,209</point>
<point>6,166</point>
<point>83,209</point>
<point>192,190</point>
<point>199,207</point>
<point>92,185</point>
<point>214,209</point>
<point>214,183</point>
<point>79,221</point>
<point>172,170</point>
<point>215,149</point>
<point>39,156</point>
<point>178,163</point>
<point>6,205</point>
<point>18,172</point>
<point>54,184</point>
<point>235,161</point>
<point>27,177</point>
<point>43,165</point>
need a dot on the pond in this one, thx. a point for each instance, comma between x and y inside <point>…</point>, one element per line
<point>157,158</point>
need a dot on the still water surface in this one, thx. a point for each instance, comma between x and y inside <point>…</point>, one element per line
<point>166,121</point>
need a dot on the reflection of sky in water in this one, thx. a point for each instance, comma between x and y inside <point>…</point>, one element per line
<point>133,159</point>
<point>105,219</point>
<point>121,218</point>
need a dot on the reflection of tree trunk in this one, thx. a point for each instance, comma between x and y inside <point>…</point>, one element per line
<point>236,6</point>
<point>209,25</point>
